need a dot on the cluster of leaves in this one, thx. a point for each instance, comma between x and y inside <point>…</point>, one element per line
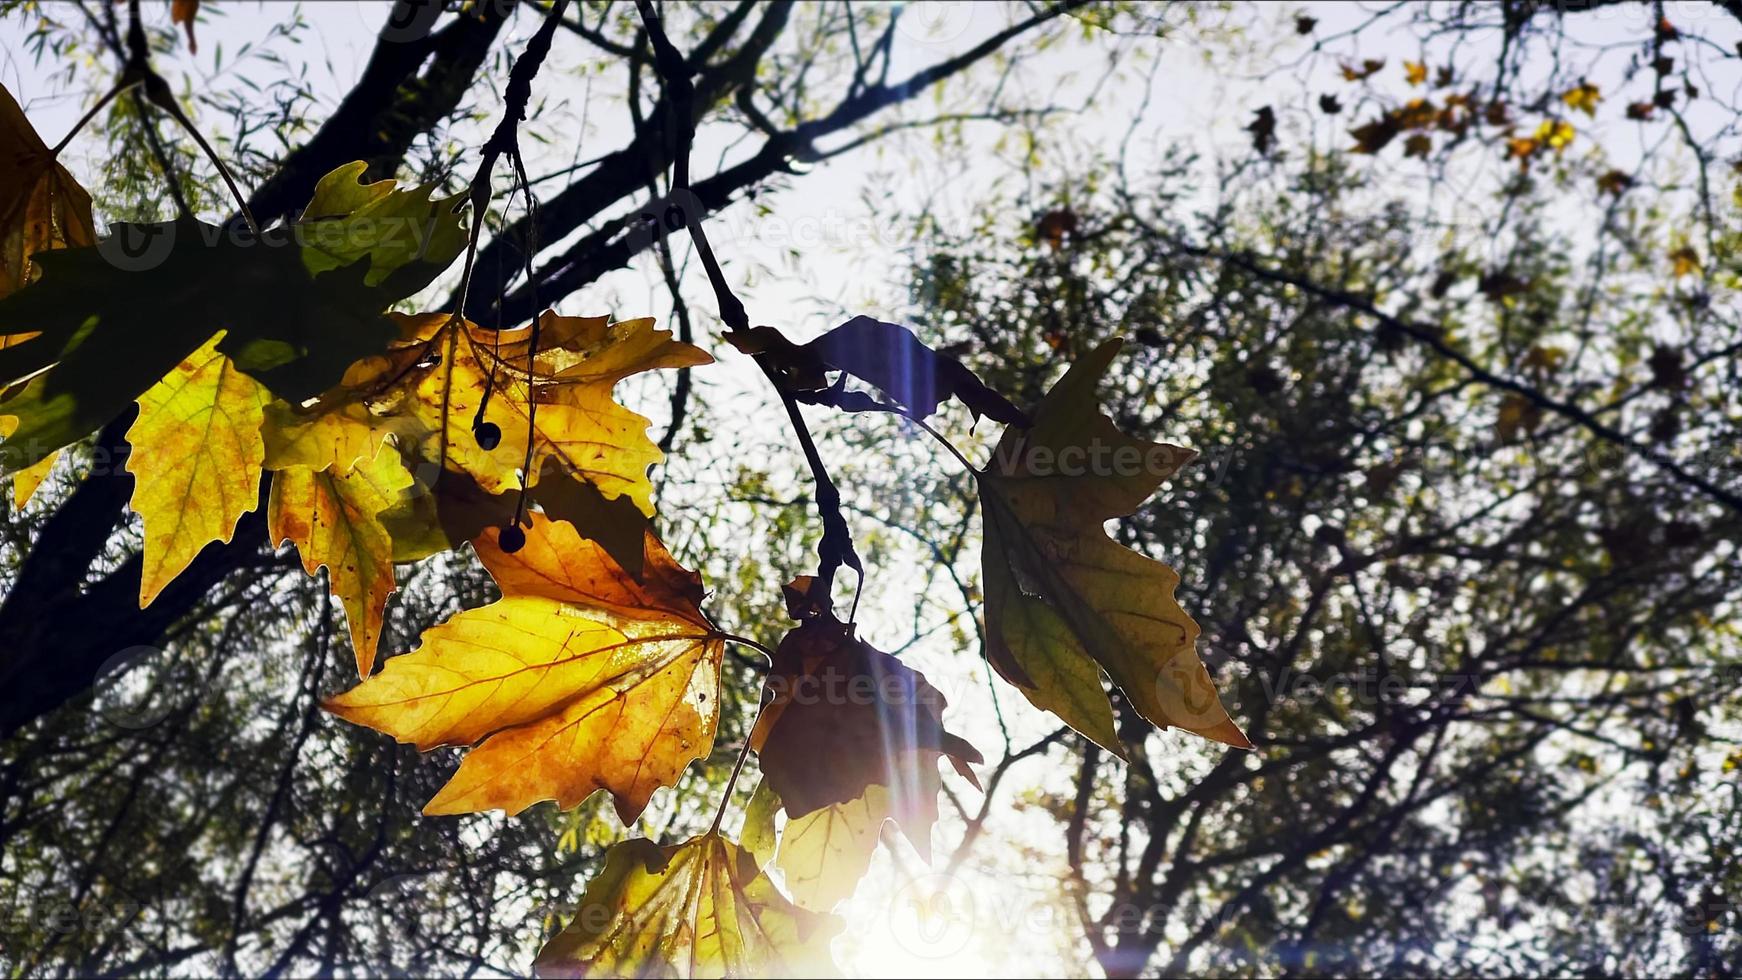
<point>1526,126</point>
<point>391,437</point>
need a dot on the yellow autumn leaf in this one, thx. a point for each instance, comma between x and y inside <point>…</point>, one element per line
<point>1046,497</point>
<point>1414,72</point>
<point>334,440</point>
<point>197,451</point>
<point>333,518</point>
<point>758,836</point>
<point>1556,134</point>
<point>41,207</point>
<point>1583,97</point>
<point>579,678</point>
<point>697,909</point>
<point>1684,261</point>
<point>26,480</point>
<point>435,378</point>
<point>822,855</point>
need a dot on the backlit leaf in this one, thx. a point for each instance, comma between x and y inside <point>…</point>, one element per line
<point>434,378</point>
<point>580,678</point>
<point>402,232</point>
<point>333,518</point>
<point>298,306</point>
<point>41,207</point>
<point>110,328</point>
<point>873,719</point>
<point>697,909</point>
<point>823,854</point>
<point>196,458</point>
<point>885,355</point>
<point>759,836</point>
<point>1045,498</point>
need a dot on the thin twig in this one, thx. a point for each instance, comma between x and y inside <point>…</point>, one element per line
<point>836,547</point>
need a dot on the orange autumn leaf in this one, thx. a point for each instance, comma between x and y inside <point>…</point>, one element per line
<point>41,207</point>
<point>579,678</point>
<point>333,517</point>
<point>183,12</point>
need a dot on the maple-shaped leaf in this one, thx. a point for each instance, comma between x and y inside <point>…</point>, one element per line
<point>702,908</point>
<point>433,379</point>
<point>108,320</point>
<point>109,330</point>
<point>841,716</point>
<point>41,207</point>
<point>579,678</point>
<point>405,233</point>
<point>1063,600</point>
<point>333,517</point>
<point>195,460</point>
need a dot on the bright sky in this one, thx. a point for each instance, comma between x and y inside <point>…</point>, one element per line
<point>1003,912</point>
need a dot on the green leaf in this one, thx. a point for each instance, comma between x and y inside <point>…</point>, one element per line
<point>1059,592</point>
<point>758,835</point>
<point>824,853</point>
<point>403,233</point>
<point>110,326</point>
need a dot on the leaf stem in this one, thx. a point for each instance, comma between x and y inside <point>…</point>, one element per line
<point>743,753</point>
<point>935,434</point>
<point>836,547</point>
<point>746,641</point>
<point>505,138</point>
<point>157,91</point>
<point>120,86</point>
<point>726,797</point>
<point>137,71</point>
